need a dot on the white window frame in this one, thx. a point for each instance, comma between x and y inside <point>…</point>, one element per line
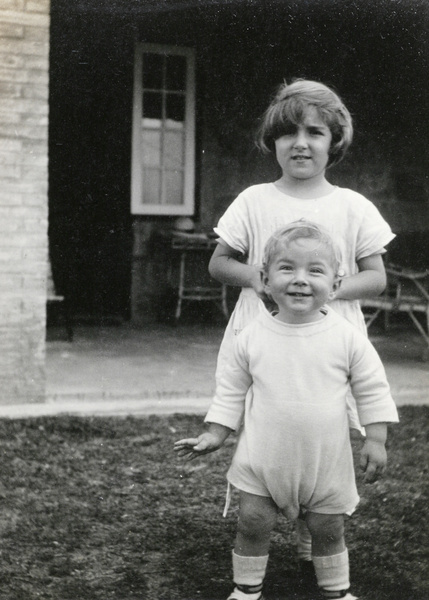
<point>188,201</point>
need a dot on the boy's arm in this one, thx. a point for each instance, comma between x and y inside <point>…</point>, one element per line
<point>209,441</point>
<point>369,384</point>
<point>369,282</point>
<point>374,402</point>
<point>226,411</point>
<point>373,454</point>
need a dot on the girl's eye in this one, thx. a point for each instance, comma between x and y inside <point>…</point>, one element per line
<point>286,268</point>
<point>289,130</point>
<point>316,270</point>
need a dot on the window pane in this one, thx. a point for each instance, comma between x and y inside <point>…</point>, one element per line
<point>152,105</point>
<point>175,107</point>
<point>173,181</point>
<point>152,71</point>
<point>176,73</point>
<point>174,146</point>
<point>151,186</point>
<point>163,131</point>
<point>151,147</point>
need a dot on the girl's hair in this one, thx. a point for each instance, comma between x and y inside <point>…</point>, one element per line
<point>299,230</point>
<point>290,105</point>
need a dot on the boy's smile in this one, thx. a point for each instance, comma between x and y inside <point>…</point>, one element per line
<point>301,279</point>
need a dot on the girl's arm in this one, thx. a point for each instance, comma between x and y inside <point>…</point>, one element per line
<point>227,267</point>
<point>369,282</point>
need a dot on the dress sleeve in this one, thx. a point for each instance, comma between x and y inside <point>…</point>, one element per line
<point>374,233</point>
<point>369,384</point>
<point>227,407</point>
<point>234,227</point>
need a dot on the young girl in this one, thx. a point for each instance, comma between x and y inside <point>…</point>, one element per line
<point>308,129</point>
<point>294,453</point>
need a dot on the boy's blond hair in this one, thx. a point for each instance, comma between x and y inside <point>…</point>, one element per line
<point>299,230</point>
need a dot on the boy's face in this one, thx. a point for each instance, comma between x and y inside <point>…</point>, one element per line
<point>303,151</point>
<point>301,279</point>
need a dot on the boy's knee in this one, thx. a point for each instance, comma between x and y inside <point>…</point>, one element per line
<point>255,522</point>
<point>329,527</point>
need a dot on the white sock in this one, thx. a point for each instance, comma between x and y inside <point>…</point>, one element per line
<point>303,540</point>
<point>332,572</point>
<point>248,571</point>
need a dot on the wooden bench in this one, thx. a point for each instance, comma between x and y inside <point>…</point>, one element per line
<point>199,246</point>
<point>406,291</point>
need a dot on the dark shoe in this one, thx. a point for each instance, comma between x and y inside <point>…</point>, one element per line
<point>341,595</point>
<point>246,589</point>
<point>234,597</point>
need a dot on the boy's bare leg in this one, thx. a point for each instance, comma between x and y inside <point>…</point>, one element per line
<point>330,556</point>
<point>257,518</point>
<point>327,532</point>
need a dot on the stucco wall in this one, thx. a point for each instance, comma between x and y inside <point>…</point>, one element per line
<point>24,52</point>
<point>372,53</point>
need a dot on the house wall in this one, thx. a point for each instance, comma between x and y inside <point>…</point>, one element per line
<point>24,49</point>
<point>375,58</point>
<point>374,55</point>
<point>90,235</point>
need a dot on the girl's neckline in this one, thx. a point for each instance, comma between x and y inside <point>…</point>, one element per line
<point>333,189</point>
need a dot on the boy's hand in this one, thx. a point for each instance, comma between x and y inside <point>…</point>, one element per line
<point>192,447</point>
<point>373,460</point>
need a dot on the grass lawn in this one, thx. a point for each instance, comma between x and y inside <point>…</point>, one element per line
<point>101,508</point>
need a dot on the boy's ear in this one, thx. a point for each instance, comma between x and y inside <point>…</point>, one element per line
<point>264,280</point>
<point>335,288</point>
<point>267,299</point>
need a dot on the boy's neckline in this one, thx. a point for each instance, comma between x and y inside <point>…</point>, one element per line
<point>279,187</point>
<point>323,310</point>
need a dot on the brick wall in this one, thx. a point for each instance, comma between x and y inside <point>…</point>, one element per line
<point>24,63</point>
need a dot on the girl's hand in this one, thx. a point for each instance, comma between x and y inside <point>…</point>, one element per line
<point>192,447</point>
<point>370,281</point>
<point>228,266</point>
<point>373,460</point>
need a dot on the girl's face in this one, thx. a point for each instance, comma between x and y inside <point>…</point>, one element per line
<point>301,279</point>
<point>303,151</point>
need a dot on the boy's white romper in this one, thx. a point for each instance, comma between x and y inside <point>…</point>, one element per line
<point>294,444</point>
<point>353,222</point>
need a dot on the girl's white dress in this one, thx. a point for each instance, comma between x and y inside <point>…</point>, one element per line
<point>354,223</point>
<point>294,445</point>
